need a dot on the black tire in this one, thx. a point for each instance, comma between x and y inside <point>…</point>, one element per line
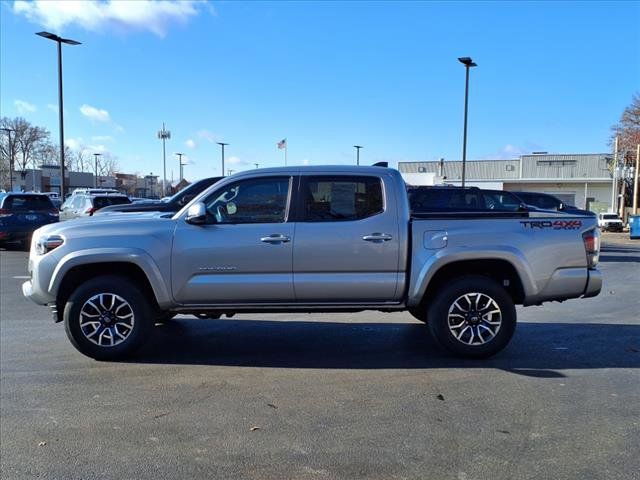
<point>481,339</point>
<point>132,337</point>
<point>419,313</point>
<point>165,317</point>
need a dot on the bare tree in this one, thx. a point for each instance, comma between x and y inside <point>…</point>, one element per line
<point>27,139</point>
<point>49,154</point>
<point>80,159</point>
<point>628,131</point>
<point>107,166</point>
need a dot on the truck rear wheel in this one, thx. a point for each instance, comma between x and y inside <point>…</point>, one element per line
<point>473,317</point>
<point>107,318</point>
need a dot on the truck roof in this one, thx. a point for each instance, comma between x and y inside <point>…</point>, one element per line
<point>353,169</point>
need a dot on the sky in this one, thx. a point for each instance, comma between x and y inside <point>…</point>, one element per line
<point>551,76</point>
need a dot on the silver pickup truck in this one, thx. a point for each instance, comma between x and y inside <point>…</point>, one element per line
<point>311,239</point>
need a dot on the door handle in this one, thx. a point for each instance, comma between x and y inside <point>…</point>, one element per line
<point>377,237</point>
<point>275,238</point>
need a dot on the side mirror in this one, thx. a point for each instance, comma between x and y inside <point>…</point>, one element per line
<point>561,206</point>
<point>197,214</point>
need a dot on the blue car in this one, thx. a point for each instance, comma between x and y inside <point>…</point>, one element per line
<point>21,214</point>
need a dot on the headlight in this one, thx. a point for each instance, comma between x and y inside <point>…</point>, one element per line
<point>47,243</point>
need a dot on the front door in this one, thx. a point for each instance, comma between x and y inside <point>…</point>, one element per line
<point>347,245</point>
<point>243,254</point>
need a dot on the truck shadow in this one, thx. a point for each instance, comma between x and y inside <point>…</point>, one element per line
<point>537,349</point>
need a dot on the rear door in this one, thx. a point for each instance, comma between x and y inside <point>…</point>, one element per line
<point>347,241</point>
<point>243,254</point>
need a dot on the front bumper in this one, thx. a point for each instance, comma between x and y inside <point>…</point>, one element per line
<point>35,294</point>
<point>594,283</point>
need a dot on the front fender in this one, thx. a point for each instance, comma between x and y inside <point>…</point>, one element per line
<point>93,256</point>
<point>434,261</point>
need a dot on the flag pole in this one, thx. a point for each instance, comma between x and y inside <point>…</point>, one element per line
<point>286,145</point>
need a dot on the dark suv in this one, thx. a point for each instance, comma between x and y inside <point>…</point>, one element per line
<point>469,199</point>
<point>172,205</point>
<point>544,201</point>
<point>22,213</point>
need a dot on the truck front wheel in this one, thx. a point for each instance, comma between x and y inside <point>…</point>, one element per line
<point>472,316</point>
<point>107,318</point>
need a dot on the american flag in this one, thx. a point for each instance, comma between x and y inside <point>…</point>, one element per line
<point>282,143</point>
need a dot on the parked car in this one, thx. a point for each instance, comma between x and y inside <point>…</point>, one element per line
<point>544,201</point>
<point>609,222</point>
<point>95,191</point>
<point>310,239</point>
<point>171,205</point>
<point>84,205</point>
<point>468,199</point>
<point>21,214</point>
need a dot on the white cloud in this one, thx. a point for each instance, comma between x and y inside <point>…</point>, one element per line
<point>24,107</point>
<point>140,15</point>
<point>102,138</point>
<point>94,113</point>
<point>97,148</point>
<point>53,107</point>
<point>74,144</point>
<point>305,161</point>
<point>207,135</point>
<point>508,152</point>
<point>190,143</point>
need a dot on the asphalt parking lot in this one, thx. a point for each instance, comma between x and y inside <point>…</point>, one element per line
<point>363,395</point>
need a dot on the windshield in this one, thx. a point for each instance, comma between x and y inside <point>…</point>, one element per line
<point>188,193</point>
<point>611,216</point>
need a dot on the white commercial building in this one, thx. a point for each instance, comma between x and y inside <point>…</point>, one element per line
<point>583,180</point>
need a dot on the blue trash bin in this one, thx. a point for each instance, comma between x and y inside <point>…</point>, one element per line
<point>634,226</point>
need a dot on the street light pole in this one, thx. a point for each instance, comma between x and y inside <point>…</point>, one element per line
<point>635,181</point>
<point>60,41</point>
<point>9,130</point>
<point>257,165</point>
<point>95,162</point>
<point>222,144</point>
<point>614,173</point>
<point>468,63</point>
<point>163,135</point>
<point>180,163</point>
<point>358,147</point>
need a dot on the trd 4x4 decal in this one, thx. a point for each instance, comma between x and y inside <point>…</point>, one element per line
<point>554,225</point>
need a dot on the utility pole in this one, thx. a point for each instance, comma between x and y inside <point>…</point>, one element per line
<point>164,135</point>
<point>222,144</point>
<point>9,130</point>
<point>358,147</point>
<point>95,161</point>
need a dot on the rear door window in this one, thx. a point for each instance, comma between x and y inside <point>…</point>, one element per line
<point>101,202</point>
<point>341,198</point>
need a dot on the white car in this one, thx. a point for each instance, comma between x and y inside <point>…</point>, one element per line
<point>609,222</point>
